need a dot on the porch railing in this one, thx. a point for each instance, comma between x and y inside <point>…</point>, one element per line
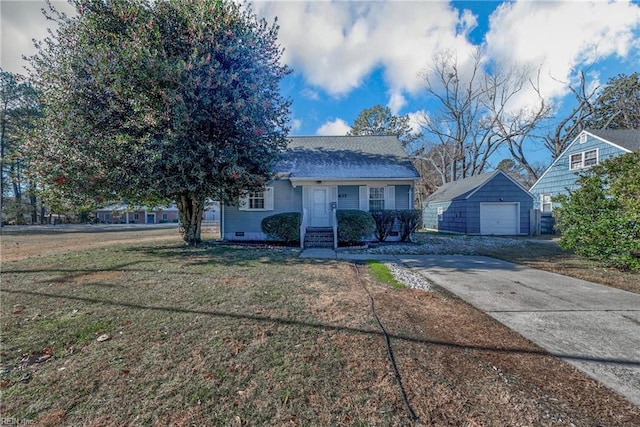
<point>335,229</point>
<point>303,227</point>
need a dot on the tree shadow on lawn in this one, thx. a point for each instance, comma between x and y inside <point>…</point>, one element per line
<point>225,254</point>
<point>325,326</point>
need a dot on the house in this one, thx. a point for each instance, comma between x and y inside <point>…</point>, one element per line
<point>318,175</point>
<point>589,148</point>
<point>125,214</point>
<point>490,203</point>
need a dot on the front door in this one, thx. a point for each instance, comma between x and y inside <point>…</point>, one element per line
<point>319,207</point>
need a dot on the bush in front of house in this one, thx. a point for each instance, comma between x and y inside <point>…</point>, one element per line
<point>410,220</point>
<point>600,219</point>
<point>282,227</point>
<point>354,226</point>
<point>384,223</point>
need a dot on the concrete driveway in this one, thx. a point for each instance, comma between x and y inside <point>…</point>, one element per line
<point>593,327</point>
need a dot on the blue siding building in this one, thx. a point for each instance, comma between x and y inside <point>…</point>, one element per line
<point>317,174</point>
<point>588,149</point>
<point>491,203</point>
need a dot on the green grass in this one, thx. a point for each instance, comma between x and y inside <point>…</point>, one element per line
<point>382,273</point>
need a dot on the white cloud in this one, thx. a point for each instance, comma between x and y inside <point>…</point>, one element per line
<point>334,127</point>
<point>562,37</point>
<point>418,119</point>
<point>396,102</point>
<point>296,124</point>
<point>335,45</point>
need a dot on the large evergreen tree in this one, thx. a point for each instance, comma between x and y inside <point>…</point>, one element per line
<point>19,108</point>
<point>618,105</point>
<point>379,120</point>
<point>157,101</point>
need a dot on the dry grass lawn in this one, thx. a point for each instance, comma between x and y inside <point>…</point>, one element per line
<point>134,329</point>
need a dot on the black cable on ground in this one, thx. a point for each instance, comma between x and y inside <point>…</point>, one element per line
<point>407,405</point>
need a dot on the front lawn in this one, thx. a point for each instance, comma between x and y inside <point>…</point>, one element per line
<point>153,333</point>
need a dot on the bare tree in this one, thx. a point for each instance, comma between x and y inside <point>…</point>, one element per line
<point>575,120</point>
<point>476,115</point>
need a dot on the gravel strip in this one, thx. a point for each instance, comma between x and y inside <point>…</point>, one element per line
<point>407,277</point>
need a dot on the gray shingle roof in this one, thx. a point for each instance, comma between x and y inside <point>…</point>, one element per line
<point>346,157</point>
<point>625,138</point>
<point>461,188</point>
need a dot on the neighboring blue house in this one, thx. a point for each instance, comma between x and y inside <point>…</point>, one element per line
<point>490,203</point>
<point>589,148</point>
<point>318,174</point>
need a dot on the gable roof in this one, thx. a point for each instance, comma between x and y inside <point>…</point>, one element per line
<point>628,139</point>
<point>346,157</point>
<point>464,188</point>
<point>625,139</point>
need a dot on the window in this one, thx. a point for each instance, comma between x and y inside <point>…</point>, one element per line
<point>376,198</point>
<point>576,161</point>
<point>165,216</point>
<point>107,216</point>
<point>584,159</point>
<point>545,203</point>
<point>258,201</point>
<point>136,216</point>
<point>590,158</point>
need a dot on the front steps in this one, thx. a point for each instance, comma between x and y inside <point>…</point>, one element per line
<point>319,237</point>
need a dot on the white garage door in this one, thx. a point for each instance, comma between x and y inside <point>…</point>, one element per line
<point>499,218</point>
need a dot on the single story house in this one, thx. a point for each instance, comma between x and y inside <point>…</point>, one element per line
<point>317,175</point>
<point>588,149</point>
<point>490,203</point>
<point>125,214</point>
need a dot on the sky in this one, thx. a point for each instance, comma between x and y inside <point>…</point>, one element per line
<point>348,55</point>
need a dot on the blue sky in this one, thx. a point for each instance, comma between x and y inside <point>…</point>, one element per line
<point>347,55</point>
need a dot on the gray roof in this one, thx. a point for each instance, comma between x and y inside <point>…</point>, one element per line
<point>346,157</point>
<point>463,188</point>
<point>625,138</point>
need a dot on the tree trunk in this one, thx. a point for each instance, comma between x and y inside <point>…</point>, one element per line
<point>191,208</point>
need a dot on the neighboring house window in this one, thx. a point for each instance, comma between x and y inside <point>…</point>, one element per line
<point>107,217</point>
<point>576,161</point>
<point>136,216</point>
<point>165,216</point>
<point>258,201</point>
<point>590,158</point>
<point>376,198</point>
<point>584,159</point>
<point>545,203</point>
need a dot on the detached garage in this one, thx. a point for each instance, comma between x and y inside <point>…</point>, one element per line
<point>490,204</point>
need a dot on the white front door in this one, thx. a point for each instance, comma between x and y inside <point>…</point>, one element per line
<point>319,201</point>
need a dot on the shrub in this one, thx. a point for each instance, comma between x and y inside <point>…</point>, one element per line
<point>284,227</point>
<point>410,221</point>
<point>384,223</point>
<point>354,226</point>
<point>601,219</point>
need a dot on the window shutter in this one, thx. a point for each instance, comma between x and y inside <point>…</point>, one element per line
<point>243,204</point>
<point>268,198</point>
<point>334,194</point>
<point>364,198</point>
<point>390,197</point>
